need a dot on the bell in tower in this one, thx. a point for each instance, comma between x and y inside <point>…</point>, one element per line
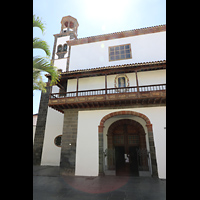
<point>69,25</point>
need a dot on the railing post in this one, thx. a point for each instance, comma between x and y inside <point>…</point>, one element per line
<point>77,87</point>
<point>138,92</point>
<point>105,83</point>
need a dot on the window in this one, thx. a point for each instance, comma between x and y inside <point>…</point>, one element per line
<point>59,48</point>
<point>133,140</point>
<point>65,47</point>
<point>57,140</point>
<point>121,82</point>
<point>118,140</point>
<point>120,52</point>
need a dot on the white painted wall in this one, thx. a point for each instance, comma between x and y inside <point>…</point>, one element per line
<point>54,127</point>
<point>144,48</point>
<point>87,158</point>
<point>152,77</point>
<point>71,85</point>
<point>144,78</point>
<point>55,89</point>
<point>34,125</point>
<point>61,64</point>
<point>92,82</point>
<point>35,119</point>
<point>62,40</point>
<point>34,128</point>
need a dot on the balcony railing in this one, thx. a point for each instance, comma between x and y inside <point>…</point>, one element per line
<point>139,89</point>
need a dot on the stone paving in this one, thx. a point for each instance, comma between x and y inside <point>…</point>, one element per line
<point>48,184</point>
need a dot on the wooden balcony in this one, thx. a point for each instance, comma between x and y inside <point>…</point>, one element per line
<point>110,97</point>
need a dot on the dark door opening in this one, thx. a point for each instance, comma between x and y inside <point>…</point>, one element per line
<point>126,137</point>
<point>134,171</point>
<point>126,163</point>
<point>120,161</point>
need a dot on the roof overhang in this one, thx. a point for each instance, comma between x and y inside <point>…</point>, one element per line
<point>116,69</point>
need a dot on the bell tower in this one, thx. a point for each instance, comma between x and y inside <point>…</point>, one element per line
<point>61,49</point>
<point>69,25</point>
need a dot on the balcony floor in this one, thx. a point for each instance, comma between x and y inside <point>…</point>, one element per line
<point>125,98</point>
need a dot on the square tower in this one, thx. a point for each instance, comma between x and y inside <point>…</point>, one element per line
<point>61,49</point>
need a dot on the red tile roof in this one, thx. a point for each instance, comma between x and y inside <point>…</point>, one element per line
<point>125,68</point>
<point>134,32</point>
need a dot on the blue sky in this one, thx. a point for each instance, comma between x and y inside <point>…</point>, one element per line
<point>95,17</point>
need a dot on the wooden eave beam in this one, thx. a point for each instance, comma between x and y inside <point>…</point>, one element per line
<point>60,86</point>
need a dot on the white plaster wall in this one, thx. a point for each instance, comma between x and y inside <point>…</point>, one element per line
<point>34,127</point>
<point>61,63</point>
<point>152,77</point>
<point>92,82</point>
<point>35,119</point>
<point>144,48</point>
<point>55,89</point>
<point>62,40</point>
<point>71,85</point>
<point>54,127</point>
<point>144,78</point>
<point>87,158</point>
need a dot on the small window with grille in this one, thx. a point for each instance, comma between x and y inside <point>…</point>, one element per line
<point>120,52</point>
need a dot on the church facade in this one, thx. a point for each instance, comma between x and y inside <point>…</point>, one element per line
<point>107,114</point>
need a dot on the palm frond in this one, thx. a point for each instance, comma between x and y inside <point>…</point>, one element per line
<point>41,44</point>
<point>38,23</point>
<point>38,83</point>
<point>42,64</point>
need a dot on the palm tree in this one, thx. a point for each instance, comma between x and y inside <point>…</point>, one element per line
<point>42,64</point>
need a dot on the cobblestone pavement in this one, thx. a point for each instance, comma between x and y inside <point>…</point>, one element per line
<point>48,184</point>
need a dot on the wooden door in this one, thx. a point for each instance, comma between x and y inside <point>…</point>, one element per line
<point>125,153</point>
<point>125,138</point>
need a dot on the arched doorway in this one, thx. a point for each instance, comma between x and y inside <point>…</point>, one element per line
<point>126,139</point>
<point>154,170</point>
